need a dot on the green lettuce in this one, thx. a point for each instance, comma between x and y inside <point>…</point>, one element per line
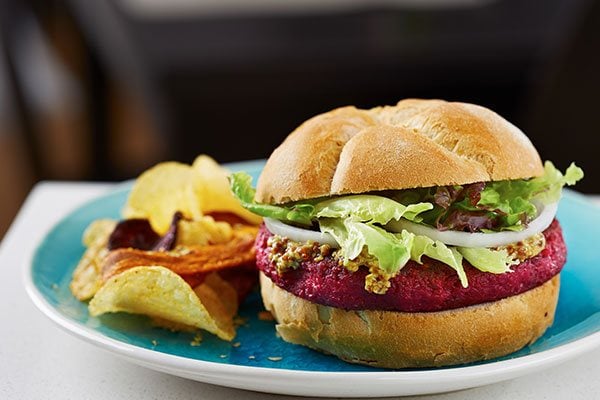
<point>424,246</point>
<point>376,209</point>
<point>488,260</point>
<point>518,197</point>
<point>391,251</point>
<point>300,213</point>
<point>503,205</point>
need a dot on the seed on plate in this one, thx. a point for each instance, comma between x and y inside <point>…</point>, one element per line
<point>197,340</point>
<point>275,358</point>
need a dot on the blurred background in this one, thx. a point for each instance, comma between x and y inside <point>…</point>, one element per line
<point>100,90</point>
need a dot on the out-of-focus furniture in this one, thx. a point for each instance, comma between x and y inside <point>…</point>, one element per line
<point>232,81</point>
<point>252,76</point>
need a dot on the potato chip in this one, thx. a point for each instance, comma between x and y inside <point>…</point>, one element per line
<point>160,192</point>
<point>224,292</point>
<point>87,277</point>
<point>203,231</point>
<point>211,187</point>
<point>216,294</point>
<point>98,230</point>
<point>158,292</point>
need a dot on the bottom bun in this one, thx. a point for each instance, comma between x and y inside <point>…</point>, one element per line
<point>392,339</point>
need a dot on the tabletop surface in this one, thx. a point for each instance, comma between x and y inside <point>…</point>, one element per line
<point>40,361</point>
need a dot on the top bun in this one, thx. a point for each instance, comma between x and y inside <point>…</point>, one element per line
<point>416,143</point>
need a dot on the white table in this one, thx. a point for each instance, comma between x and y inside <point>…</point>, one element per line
<point>40,361</point>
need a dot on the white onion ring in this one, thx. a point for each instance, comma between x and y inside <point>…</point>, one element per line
<point>479,239</point>
<point>298,234</point>
<point>454,238</point>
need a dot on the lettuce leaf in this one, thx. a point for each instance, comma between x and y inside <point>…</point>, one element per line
<point>493,206</point>
<point>488,260</point>
<point>547,188</point>
<point>424,246</point>
<point>391,251</point>
<point>515,200</point>
<point>299,213</point>
<point>375,209</point>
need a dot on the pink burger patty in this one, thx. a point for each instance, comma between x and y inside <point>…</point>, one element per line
<point>432,286</point>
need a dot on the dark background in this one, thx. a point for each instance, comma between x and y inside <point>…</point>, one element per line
<point>127,89</point>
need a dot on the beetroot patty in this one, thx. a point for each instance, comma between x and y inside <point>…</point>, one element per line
<point>432,286</point>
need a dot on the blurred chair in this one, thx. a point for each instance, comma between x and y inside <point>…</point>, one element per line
<point>251,71</point>
<point>12,14</point>
<point>233,78</point>
<point>17,149</point>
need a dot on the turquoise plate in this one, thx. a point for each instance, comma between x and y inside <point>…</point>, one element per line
<point>257,357</point>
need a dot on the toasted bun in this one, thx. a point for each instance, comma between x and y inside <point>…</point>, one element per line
<point>416,143</point>
<point>404,340</point>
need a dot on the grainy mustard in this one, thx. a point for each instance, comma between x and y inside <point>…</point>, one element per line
<point>287,254</point>
<point>526,249</point>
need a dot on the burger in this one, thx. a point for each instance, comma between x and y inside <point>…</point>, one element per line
<point>416,235</point>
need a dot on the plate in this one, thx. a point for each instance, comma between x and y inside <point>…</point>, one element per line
<point>258,360</point>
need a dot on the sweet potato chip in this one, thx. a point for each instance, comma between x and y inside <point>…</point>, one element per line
<point>87,277</point>
<point>186,260</point>
<point>136,233</point>
<point>160,293</point>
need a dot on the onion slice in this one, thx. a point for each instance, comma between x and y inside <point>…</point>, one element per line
<point>453,238</point>
<point>298,234</point>
<point>480,239</point>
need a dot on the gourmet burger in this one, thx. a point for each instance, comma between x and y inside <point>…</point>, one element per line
<point>415,235</point>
